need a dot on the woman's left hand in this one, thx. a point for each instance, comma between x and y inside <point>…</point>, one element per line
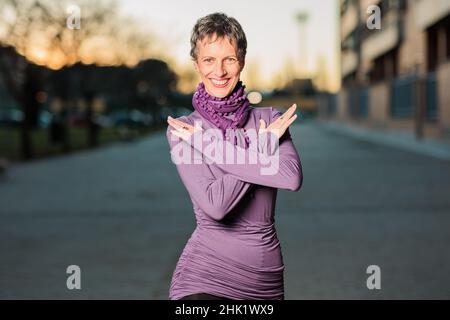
<point>182,129</point>
<point>281,124</point>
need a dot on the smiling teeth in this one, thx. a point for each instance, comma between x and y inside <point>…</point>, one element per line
<point>221,82</point>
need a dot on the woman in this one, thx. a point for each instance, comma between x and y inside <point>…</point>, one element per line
<point>234,252</point>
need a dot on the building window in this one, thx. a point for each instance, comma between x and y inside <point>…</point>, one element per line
<point>385,66</point>
<point>438,43</point>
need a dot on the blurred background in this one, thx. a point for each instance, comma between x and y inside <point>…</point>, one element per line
<point>85,170</point>
<point>74,77</point>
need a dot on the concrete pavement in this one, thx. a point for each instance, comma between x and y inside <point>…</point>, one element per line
<point>122,215</point>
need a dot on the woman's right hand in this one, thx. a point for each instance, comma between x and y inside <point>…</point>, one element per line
<point>280,125</point>
<point>182,129</point>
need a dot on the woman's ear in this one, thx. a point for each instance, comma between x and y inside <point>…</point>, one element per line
<point>194,62</point>
<point>242,65</point>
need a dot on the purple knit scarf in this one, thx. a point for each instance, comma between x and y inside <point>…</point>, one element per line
<point>215,109</point>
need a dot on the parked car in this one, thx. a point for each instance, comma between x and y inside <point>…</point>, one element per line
<point>44,119</point>
<point>131,119</point>
<point>11,117</point>
<point>174,112</point>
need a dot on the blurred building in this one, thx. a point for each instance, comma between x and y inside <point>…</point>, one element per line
<point>396,76</point>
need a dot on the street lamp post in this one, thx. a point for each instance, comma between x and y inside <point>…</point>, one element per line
<point>302,19</point>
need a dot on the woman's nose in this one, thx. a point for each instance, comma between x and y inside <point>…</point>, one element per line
<point>219,70</point>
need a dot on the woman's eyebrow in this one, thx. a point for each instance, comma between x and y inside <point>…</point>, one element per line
<point>230,56</point>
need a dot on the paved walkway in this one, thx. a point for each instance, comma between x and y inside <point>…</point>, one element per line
<point>393,138</point>
<point>122,215</point>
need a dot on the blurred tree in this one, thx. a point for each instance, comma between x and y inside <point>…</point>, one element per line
<point>285,75</point>
<point>154,83</point>
<point>38,31</point>
<point>23,81</point>
<point>147,86</point>
<point>252,75</point>
<point>320,78</point>
<point>187,78</point>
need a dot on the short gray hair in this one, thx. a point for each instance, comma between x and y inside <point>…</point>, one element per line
<point>223,26</point>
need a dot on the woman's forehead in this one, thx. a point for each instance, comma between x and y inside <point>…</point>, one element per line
<point>218,44</point>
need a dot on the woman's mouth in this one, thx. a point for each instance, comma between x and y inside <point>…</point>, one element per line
<point>220,83</point>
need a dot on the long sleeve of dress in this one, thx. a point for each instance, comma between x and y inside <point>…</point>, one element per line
<point>288,175</point>
<point>215,196</point>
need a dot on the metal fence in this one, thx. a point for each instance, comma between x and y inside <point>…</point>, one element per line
<point>358,102</point>
<point>328,104</point>
<point>402,98</point>
<point>431,97</point>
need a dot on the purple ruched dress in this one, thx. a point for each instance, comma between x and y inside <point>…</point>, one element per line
<point>234,251</point>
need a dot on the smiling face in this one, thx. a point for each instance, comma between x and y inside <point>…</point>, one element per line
<point>218,65</point>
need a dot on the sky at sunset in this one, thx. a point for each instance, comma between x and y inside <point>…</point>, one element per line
<point>279,49</point>
<point>275,44</point>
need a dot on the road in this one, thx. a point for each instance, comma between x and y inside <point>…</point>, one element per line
<point>122,215</point>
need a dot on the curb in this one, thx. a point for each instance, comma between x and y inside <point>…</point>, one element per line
<point>400,140</point>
